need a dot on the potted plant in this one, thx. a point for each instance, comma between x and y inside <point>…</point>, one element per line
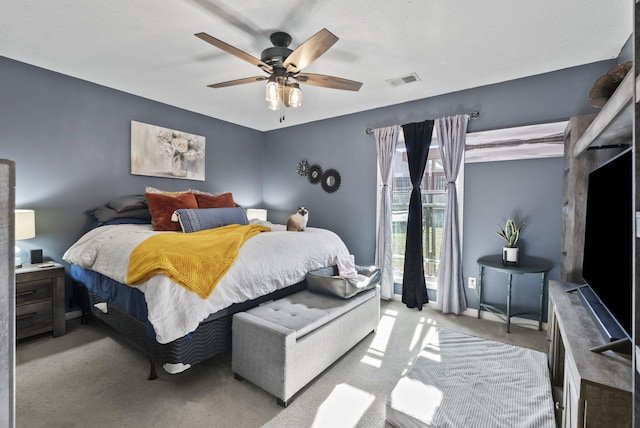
<point>511,234</point>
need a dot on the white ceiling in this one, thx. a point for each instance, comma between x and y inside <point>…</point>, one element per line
<point>148,47</point>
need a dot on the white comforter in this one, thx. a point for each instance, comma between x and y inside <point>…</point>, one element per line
<point>267,262</point>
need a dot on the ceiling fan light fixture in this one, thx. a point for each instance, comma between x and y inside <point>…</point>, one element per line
<point>274,104</point>
<point>273,93</point>
<point>293,95</point>
<point>272,89</point>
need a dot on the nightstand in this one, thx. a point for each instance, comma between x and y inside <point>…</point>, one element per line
<point>40,299</point>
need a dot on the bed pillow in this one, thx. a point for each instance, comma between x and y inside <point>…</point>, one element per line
<point>194,220</point>
<point>105,213</point>
<point>122,220</point>
<point>128,203</point>
<point>162,207</point>
<point>128,220</point>
<point>224,200</point>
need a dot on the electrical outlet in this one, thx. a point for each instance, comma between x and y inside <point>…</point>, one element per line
<point>472,283</point>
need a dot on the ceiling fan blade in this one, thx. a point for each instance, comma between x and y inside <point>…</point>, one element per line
<point>310,50</point>
<point>234,51</point>
<point>328,81</point>
<point>238,82</point>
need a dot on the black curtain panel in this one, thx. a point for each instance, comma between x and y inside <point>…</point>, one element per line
<point>417,138</point>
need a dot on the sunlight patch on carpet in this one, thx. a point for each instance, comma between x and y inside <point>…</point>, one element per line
<point>431,338</point>
<point>416,334</point>
<point>373,362</point>
<point>381,340</point>
<point>424,400</point>
<point>344,407</point>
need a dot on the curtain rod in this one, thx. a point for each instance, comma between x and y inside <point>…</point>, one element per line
<point>472,115</point>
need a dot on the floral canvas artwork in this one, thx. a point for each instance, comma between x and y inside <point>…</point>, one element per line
<point>162,152</point>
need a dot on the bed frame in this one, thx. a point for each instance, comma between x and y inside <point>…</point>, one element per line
<point>212,337</point>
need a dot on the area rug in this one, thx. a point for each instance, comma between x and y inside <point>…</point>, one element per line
<point>464,381</point>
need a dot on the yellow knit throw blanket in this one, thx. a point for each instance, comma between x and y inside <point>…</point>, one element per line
<point>195,261</point>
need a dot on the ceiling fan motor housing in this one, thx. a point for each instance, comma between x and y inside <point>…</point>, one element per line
<point>275,56</point>
<point>280,39</point>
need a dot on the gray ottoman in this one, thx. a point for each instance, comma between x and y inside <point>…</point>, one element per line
<point>282,345</point>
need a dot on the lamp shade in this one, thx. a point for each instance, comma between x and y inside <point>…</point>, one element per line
<point>256,213</point>
<point>25,224</point>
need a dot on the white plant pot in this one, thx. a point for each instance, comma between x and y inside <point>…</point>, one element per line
<point>510,255</point>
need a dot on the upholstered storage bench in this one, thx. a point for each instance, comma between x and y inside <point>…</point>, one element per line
<point>282,345</point>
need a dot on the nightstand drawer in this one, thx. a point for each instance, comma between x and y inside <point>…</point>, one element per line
<point>40,300</point>
<point>33,291</point>
<point>33,319</point>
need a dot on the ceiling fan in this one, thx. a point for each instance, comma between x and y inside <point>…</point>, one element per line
<point>281,64</point>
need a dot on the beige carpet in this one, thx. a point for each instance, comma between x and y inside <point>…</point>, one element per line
<point>87,378</point>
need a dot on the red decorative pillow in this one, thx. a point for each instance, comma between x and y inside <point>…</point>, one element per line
<point>162,208</point>
<point>224,200</point>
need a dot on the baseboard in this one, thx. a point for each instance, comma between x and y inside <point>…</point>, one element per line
<point>485,315</point>
<point>520,322</point>
<point>471,312</point>
<point>72,315</point>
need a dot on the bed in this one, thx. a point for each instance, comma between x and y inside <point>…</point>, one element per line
<point>171,324</point>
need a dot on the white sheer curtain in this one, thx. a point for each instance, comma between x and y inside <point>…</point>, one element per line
<point>452,133</point>
<point>386,142</point>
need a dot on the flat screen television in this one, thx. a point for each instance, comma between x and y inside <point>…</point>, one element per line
<point>608,242</point>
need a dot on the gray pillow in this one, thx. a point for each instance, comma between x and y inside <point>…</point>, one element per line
<point>128,203</point>
<point>327,281</point>
<point>104,214</point>
<point>195,219</point>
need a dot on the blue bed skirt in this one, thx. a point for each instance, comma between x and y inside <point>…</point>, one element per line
<point>130,299</point>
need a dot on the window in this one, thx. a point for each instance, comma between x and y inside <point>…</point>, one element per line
<point>534,141</point>
<point>433,191</point>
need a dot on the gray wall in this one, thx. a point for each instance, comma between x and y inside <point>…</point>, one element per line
<point>534,198</point>
<point>70,140</point>
<point>342,143</point>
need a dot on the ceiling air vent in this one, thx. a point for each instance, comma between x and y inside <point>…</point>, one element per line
<point>403,80</point>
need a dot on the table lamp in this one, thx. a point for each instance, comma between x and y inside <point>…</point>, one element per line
<point>260,214</point>
<point>25,225</point>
